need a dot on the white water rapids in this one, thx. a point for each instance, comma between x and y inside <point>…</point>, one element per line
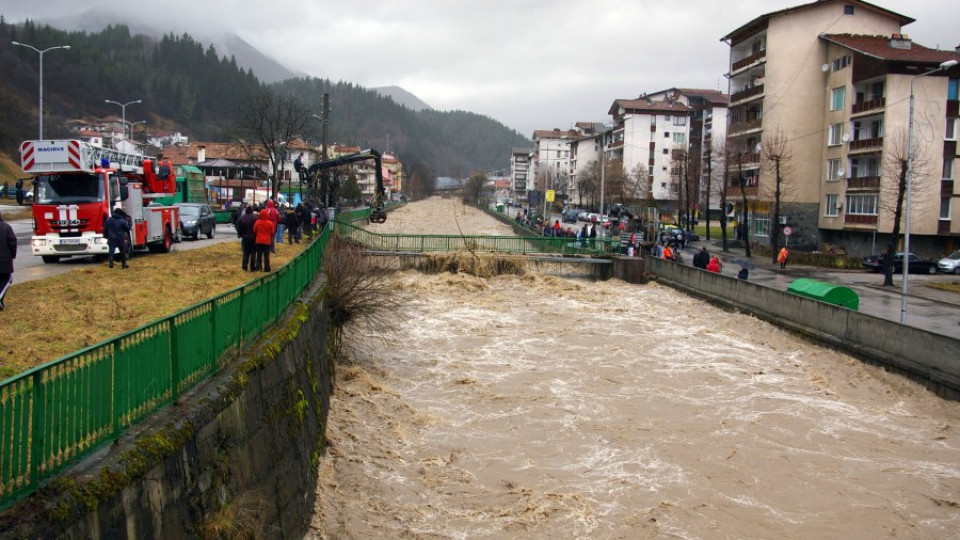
<point>542,407</point>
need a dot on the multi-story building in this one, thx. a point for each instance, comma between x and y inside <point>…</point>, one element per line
<point>779,89</point>
<point>550,168</point>
<point>520,170</point>
<point>870,80</point>
<point>665,136</point>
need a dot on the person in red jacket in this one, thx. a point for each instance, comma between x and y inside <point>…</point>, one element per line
<point>274,216</point>
<point>263,229</point>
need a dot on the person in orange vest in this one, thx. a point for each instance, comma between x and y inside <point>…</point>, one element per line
<point>263,230</point>
<point>782,257</point>
<point>667,252</point>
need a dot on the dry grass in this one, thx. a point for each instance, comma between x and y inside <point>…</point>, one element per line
<point>49,318</point>
<point>953,286</point>
<point>22,212</point>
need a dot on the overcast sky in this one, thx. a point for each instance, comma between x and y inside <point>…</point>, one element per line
<point>528,64</point>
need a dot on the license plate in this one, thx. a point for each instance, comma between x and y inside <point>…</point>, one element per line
<point>69,241</point>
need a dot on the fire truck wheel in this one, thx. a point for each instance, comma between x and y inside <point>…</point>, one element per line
<point>167,241</point>
<point>49,259</point>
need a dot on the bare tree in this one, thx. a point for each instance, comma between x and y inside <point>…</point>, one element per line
<point>271,122</point>
<point>778,160</point>
<point>473,189</point>
<point>721,161</point>
<point>896,159</point>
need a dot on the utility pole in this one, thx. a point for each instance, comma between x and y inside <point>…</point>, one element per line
<point>324,175</point>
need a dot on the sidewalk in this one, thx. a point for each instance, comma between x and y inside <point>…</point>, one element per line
<point>849,278</point>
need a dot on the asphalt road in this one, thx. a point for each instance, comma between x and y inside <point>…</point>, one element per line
<point>28,267</point>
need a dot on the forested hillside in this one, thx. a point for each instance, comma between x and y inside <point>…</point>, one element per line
<point>188,87</point>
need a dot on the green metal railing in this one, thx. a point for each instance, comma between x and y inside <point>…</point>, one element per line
<point>414,243</point>
<point>57,413</point>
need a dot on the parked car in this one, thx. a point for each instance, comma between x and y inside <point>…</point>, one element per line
<point>569,215</point>
<point>874,263</point>
<point>197,219</point>
<point>950,264</point>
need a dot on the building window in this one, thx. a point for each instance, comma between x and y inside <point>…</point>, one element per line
<point>945,207</point>
<point>862,205</point>
<point>848,9</point>
<point>841,62</point>
<point>653,119</point>
<point>666,134</point>
<point>679,138</point>
<point>833,170</point>
<point>679,120</point>
<point>836,98</point>
<point>948,169</point>
<point>953,89</point>
<point>650,171</point>
<point>951,133</point>
<point>836,135</point>
<point>865,167</point>
<point>830,206</point>
<point>665,151</point>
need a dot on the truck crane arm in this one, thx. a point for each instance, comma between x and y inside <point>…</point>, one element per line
<point>377,212</point>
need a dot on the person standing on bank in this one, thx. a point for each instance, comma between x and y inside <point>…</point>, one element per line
<point>782,257</point>
<point>116,229</point>
<point>248,238</point>
<point>8,252</point>
<point>701,259</point>
<point>292,221</point>
<point>263,229</point>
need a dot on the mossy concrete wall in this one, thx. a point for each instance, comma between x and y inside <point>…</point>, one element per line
<point>236,457</point>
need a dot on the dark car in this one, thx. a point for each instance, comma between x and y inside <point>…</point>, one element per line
<point>569,215</point>
<point>874,263</point>
<point>197,219</point>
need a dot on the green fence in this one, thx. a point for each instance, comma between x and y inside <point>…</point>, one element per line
<point>412,243</point>
<point>57,413</point>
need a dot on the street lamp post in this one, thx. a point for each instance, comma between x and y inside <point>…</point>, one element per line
<point>906,235</point>
<point>40,52</point>
<point>123,107</point>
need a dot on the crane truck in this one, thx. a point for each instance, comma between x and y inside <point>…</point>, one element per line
<point>377,212</point>
<point>77,185</point>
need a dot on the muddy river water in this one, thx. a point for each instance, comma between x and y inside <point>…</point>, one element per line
<point>543,406</point>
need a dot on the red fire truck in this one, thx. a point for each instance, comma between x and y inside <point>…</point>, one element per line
<point>76,185</point>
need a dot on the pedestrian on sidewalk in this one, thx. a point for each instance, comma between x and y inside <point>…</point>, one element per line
<point>782,257</point>
<point>701,259</point>
<point>8,252</point>
<point>248,239</point>
<point>715,265</point>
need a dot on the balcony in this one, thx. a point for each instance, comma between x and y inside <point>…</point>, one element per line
<point>866,145</point>
<point>864,183</point>
<point>744,62</point>
<point>742,127</point>
<point>860,221</point>
<point>747,93</point>
<point>869,106</point>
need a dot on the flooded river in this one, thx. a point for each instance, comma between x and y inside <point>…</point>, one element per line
<point>537,406</point>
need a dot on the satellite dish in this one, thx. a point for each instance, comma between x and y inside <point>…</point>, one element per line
<point>825,68</point>
<point>758,148</point>
<point>840,173</point>
<point>845,137</point>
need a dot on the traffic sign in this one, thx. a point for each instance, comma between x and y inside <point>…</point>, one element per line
<point>787,231</point>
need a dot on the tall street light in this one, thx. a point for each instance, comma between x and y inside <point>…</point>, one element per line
<point>906,235</point>
<point>123,107</point>
<point>41,74</point>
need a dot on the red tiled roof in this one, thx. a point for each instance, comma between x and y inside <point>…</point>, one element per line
<point>879,47</point>
<point>556,134</point>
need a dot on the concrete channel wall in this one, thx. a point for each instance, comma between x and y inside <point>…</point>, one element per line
<point>931,359</point>
<point>234,458</point>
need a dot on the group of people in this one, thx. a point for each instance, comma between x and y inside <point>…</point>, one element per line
<point>261,228</point>
<point>704,261</point>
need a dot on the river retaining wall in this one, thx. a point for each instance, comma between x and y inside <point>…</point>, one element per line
<point>235,457</point>
<point>926,357</point>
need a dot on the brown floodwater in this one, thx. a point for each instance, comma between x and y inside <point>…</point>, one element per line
<point>541,406</point>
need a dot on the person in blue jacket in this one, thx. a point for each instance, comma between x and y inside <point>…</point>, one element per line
<point>117,229</point>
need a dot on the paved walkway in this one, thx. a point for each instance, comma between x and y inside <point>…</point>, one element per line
<point>935,310</point>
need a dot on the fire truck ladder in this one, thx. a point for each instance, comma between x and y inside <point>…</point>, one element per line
<point>123,161</point>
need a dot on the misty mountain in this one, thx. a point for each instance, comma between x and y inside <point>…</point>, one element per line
<point>402,97</point>
<point>182,84</point>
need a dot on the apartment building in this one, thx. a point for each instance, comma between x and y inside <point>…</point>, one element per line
<point>870,80</point>
<point>665,139</point>
<point>520,170</point>
<point>551,162</point>
<point>779,89</point>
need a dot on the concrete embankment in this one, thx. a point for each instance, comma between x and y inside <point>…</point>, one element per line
<point>927,357</point>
